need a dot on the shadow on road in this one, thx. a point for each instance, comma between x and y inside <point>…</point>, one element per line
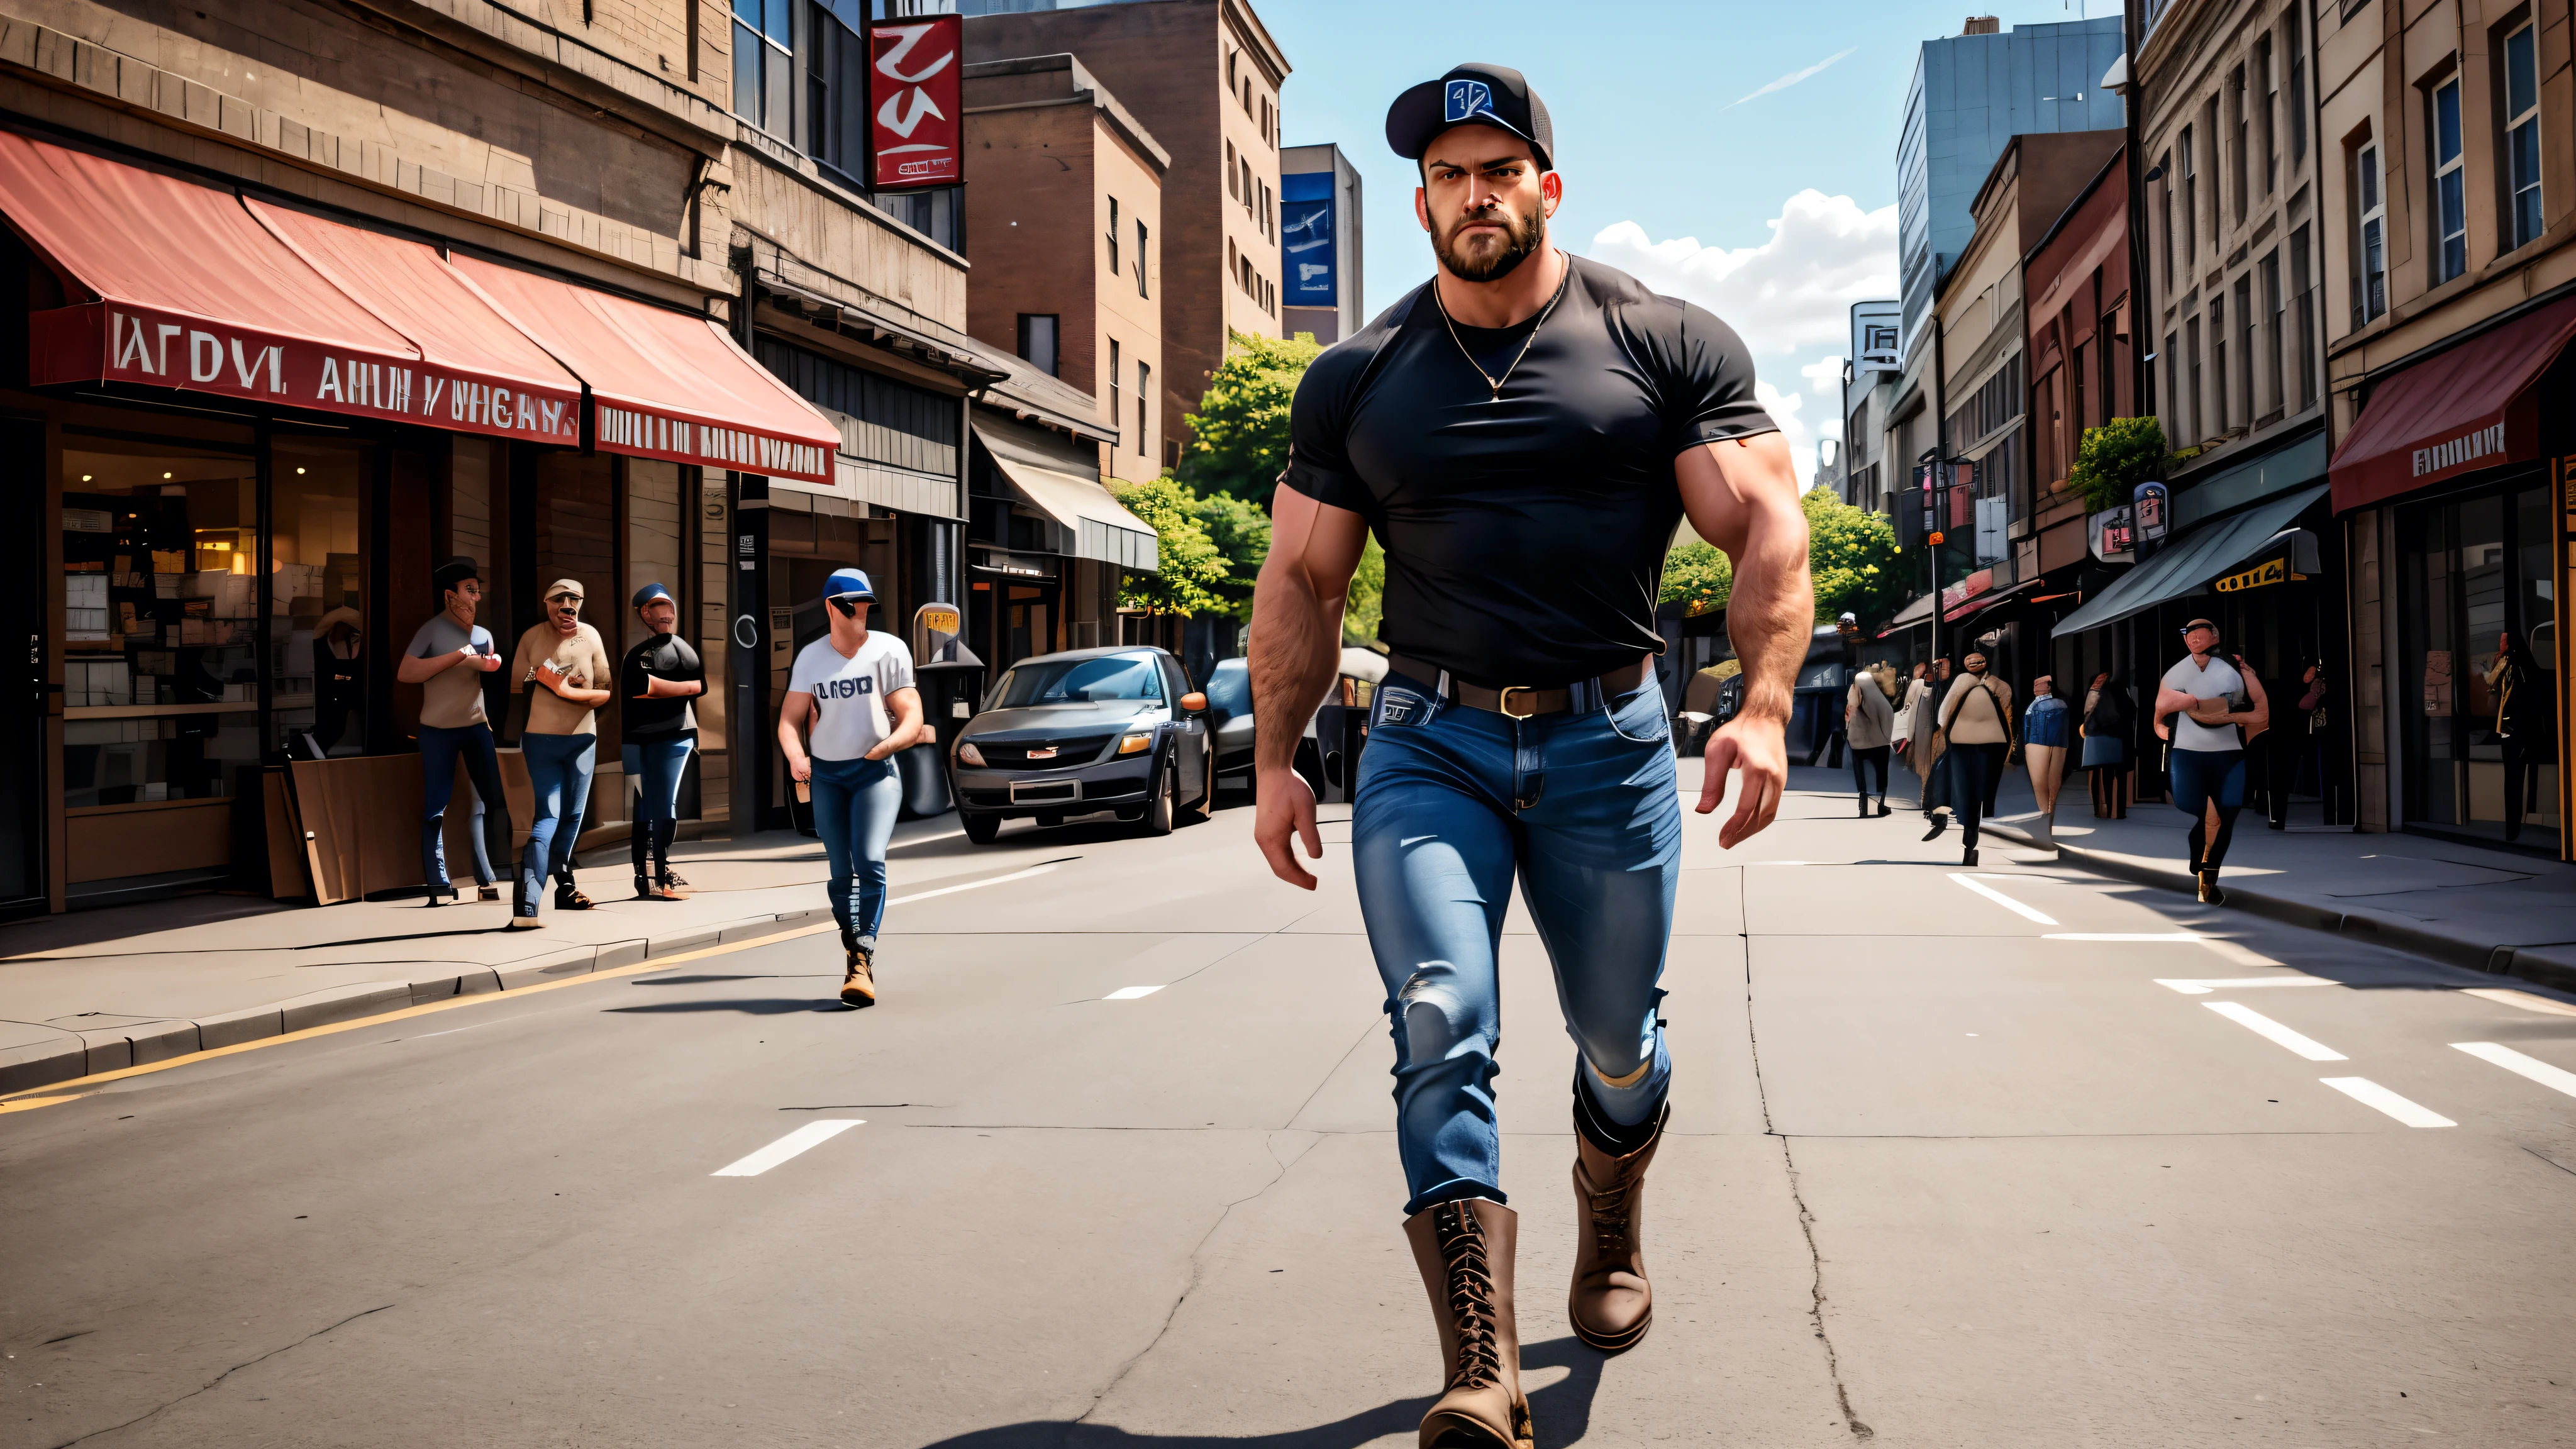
<point>1561,1412</point>
<point>763,1006</point>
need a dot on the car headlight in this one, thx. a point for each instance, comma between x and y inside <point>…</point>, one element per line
<point>968,754</point>
<point>1133,743</point>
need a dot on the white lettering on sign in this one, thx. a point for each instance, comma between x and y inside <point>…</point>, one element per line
<point>2443,456</point>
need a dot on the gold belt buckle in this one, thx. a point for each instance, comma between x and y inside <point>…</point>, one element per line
<point>1503,702</point>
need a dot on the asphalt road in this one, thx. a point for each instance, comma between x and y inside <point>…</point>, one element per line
<point>1110,1166</point>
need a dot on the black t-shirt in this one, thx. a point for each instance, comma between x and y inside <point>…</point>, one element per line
<point>1525,535</point>
<point>663,656</point>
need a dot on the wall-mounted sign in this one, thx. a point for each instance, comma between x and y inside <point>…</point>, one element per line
<point>2148,499</point>
<point>1874,339</point>
<point>2270,571</point>
<point>1306,239</point>
<point>2113,533</point>
<point>914,131</point>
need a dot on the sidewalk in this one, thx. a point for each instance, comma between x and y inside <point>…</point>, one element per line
<point>96,991</point>
<point>2489,910</point>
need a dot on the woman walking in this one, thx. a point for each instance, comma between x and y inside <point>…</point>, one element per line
<point>2046,730</point>
<point>2106,748</point>
<point>1976,719</point>
<point>565,662</point>
<point>1869,722</point>
<point>661,730</point>
<point>1925,742</point>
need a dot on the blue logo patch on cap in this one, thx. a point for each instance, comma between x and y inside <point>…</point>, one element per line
<point>1462,99</point>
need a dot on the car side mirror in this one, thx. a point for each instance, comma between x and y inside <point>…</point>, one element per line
<point>1194,702</point>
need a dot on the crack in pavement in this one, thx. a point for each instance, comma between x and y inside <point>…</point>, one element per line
<point>219,1378</point>
<point>1798,1197</point>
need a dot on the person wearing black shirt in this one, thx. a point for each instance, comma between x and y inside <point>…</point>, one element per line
<point>1523,434</point>
<point>662,675</point>
<point>338,687</point>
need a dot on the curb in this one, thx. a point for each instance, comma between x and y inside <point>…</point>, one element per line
<point>2548,963</point>
<point>87,1053</point>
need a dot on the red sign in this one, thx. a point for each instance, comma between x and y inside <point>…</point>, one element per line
<point>117,342</point>
<point>914,131</point>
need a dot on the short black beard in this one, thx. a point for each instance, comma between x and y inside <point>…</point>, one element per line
<point>1524,242</point>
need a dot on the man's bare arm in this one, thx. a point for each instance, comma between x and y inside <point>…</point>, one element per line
<point>1296,644</point>
<point>1742,495</point>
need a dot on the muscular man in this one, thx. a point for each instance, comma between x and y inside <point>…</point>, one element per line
<point>1523,434</point>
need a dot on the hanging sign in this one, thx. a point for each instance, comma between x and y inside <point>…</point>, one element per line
<point>914,130</point>
<point>2270,571</point>
<point>2148,499</point>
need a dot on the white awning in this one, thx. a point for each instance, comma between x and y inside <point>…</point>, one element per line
<point>1100,528</point>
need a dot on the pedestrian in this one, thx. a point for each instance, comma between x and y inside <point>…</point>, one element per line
<point>563,664</point>
<point>1926,743</point>
<point>658,734</point>
<point>1522,433</point>
<point>2046,730</point>
<point>448,657</point>
<point>852,691</point>
<point>2106,747</point>
<point>1976,719</point>
<point>338,688</point>
<point>2523,727</point>
<point>1869,722</point>
<point>2203,705</point>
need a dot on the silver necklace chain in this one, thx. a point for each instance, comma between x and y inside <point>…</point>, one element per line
<point>1492,382</point>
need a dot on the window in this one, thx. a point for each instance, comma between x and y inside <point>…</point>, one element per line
<point>1113,382</point>
<point>2190,205</point>
<point>1038,340</point>
<point>1265,208</point>
<point>2370,251</point>
<point>836,101</point>
<point>2188,407</point>
<point>1141,254</point>
<point>2269,269</point>
<point>2267,108</point>
<point>1246,193</point>
<point>2450,186</point>
<point>1233,173</point>
<point>2173,391</point>
<point>764,63</point>
<point>1229,69</point>
<point>2164,216</point>
<point>2304,302</point>
<point>1113,236</point>
<point>2298,111</point>
<point>2245,405</point>
<point>2241,119</point>
<point>1144,390</point>
<point>2522,134</point>
<point>2218,397</point>
<point>2107,358</point>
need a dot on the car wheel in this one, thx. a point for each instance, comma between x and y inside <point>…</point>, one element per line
<point>1158,815</point>
<point>983,829</point>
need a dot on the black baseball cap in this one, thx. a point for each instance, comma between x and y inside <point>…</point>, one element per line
<point>1474,94</point>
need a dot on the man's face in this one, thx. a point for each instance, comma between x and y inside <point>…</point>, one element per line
<point>2200,640</point>
<point>1484,201</point>
<point>462,599</point>
<point>850,606</point>
<point>661,616</point>
<point>564,608</point>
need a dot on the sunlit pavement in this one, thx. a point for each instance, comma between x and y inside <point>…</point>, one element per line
<point>2013,1156</point>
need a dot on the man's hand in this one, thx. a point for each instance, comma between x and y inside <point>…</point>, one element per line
<point>1286,808</point>
<point>800,768</point>
<point>1754,746</point>
<point>549,678</point>
<point>485,662</point>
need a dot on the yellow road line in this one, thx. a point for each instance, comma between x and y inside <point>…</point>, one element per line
<point>657,963</point>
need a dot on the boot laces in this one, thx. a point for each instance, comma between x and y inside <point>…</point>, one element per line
<point>1610,1209</point>
<point>1471,1296</point>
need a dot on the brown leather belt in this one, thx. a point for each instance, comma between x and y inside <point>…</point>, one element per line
<point>1520,701</point>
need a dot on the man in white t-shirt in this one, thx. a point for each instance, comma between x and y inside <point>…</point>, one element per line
<point>2198,709</point>
<point>853,692</point>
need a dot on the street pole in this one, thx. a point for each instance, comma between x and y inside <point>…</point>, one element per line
<point>2142,379</point>
<point>1940,465</point>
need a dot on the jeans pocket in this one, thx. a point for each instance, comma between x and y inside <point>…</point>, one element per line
<point>1398,707</point>
<point>1639,717</point>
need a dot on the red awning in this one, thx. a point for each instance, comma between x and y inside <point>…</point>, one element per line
<point>195,293</point>
<point>665,384</point>
<point>2469,408</point>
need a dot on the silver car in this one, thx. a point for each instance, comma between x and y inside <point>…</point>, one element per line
<point>1077,733</point>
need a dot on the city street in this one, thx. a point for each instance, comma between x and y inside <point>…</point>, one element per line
<point>2012,1157</point>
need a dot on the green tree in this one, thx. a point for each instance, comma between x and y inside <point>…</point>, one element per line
<point>1239,435</point>
<point>1852,556</point>
<point>1698,574</point>
<point>1365,606</point>
<point>1192,570</point>
<point>2114,459</point>
<point>1241,533</point>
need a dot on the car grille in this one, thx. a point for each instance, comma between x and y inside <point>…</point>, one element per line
<point>1076,750</point>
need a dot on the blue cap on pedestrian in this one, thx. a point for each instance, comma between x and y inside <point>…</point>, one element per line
<point>849,584</point>
<point>649,593</point>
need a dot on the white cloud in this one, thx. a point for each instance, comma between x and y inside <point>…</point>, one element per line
<point>1789,295</point>
<point>1792,78</point>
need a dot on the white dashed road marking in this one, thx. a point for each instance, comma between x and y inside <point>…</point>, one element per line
<point>2121,936</point>
<point>971,885</point>
<point>811,1135</point>
<point>2240,983</point>
<point>2555,1078</point>
<point>1999,898</point>
<point>1130,993</point>
<point>2371,1094</point>
<point>2264,1026</point>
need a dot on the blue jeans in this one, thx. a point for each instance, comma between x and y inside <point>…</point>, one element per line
<point>854,808</point>
<point>655,766</point>
<point>1453,803</point>
<point>559,775</point>
<point>440,749</point>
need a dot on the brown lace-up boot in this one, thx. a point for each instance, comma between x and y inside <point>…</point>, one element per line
<point>1611,1303</point>
<point>1464,1250</point>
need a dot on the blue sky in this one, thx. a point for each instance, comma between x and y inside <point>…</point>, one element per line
<point>1655,130</point>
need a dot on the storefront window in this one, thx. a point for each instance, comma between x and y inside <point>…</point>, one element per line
<point>2478,570</point>
<point>318,600</point>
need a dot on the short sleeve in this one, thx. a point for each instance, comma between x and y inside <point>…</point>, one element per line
<point>1319,461</point>
<point>800,678</point>
<point>1709,392</point>
<point>421,646</point>
<point>895,670</point>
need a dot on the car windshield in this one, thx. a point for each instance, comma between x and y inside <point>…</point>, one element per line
<point>1229,687</point>
<point>1078,681</point>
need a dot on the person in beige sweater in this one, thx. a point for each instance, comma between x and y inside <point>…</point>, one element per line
<point>565,666</point>
<point>1976,719</point>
